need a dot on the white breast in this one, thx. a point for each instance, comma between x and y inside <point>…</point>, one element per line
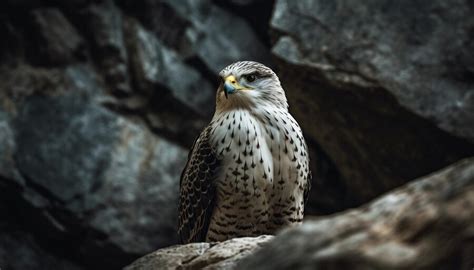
<point>240,141</point>
<point>263,157</point>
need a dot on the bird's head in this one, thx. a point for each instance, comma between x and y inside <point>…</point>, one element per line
<point>248,84</point>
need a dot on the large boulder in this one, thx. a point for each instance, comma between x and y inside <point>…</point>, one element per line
<point>87,175</point>
<point>419,52</point>
<point>387,86</point>
<point>428,224</point>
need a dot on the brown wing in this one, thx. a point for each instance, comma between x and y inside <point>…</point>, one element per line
<point>197,191</point>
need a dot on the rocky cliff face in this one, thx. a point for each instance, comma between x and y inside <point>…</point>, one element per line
<point>100,100</point>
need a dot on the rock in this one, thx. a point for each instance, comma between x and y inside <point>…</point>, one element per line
<point>159,18</point>
<point>223,255</point>
<point>327,194</point>
<point>235,40</point>
<point>19,250</point>
<point>384,100</point>
<point>7,148</point>
<point>153,65</point>
<point>88,175</point>
<point>57,41</point>
<point>244,2</point>
<point>428,224</point>
<point>106,28</point>
<point>257,13</point>
<point>399,50</point>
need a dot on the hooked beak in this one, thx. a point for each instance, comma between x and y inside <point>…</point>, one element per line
<point>231,85</point>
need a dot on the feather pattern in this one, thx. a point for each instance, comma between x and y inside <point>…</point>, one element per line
<point>197,190</point>
<point>248,172</point>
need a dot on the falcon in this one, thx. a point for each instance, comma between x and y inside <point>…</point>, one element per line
<point>248,171</point>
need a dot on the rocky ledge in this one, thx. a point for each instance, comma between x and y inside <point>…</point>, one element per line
<point>222,255</point>
<point>427,224</point>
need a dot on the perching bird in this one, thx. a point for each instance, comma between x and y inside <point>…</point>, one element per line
<point>247,173</point>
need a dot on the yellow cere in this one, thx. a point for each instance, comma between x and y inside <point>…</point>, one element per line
<point>233,81</point>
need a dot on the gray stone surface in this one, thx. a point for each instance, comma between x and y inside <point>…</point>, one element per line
<point>154,65</point>
<point>57,41</point>
<point>91,173</point>
<point>236,39</point>
<point>419,52</point>
<point>428,224</point>
<point>224,255</point>
<point>110,163</point>
<point>386,101</point>
<point>109,45</point>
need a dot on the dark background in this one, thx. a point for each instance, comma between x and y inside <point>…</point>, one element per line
<point>100,101</point>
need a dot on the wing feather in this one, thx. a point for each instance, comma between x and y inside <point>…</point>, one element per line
<point>197,190</point>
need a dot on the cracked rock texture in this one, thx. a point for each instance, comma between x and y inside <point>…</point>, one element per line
<point>100,101</point>
<point>224,255</point>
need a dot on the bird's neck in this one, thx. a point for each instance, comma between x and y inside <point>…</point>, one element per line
<point>245,116</point>
<point>258,113</point>
<point>236,126</point>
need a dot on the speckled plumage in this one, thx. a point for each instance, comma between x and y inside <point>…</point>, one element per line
<point>248,171</point>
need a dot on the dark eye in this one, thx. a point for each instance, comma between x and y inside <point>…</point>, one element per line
<point>250,77</point>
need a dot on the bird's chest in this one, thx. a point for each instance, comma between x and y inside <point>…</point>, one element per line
<point>258,156</point>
